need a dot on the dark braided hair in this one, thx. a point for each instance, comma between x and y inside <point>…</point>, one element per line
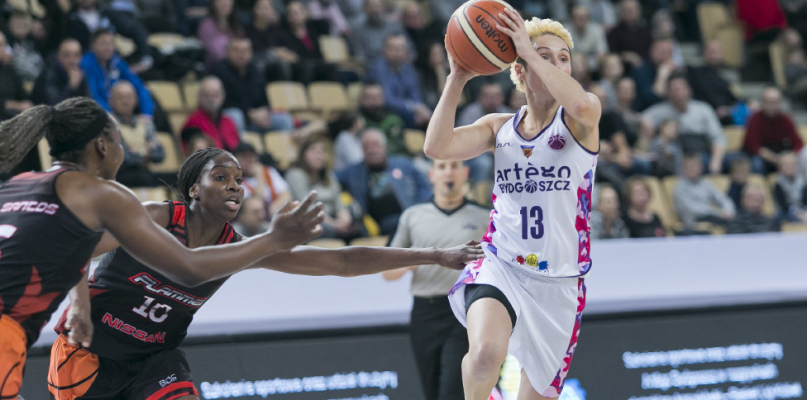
<point>68,127</point>
<point>191,169</point>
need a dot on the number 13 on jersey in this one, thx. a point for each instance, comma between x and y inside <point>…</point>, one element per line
<point>532,216</point>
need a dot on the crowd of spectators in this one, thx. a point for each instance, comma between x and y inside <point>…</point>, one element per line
<point>663,115</point>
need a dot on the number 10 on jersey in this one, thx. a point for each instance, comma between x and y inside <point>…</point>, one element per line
<point>534,216</point>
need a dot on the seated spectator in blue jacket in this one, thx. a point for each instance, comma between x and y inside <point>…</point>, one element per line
<point>399,79</point>
<point>62,77</point>
<point>383,186</point>
<point>104,68</point>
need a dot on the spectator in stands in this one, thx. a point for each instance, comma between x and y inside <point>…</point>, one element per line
<point>218,28</point>
<point>605,221</point>
<point>27,61</point>
<point>580,71</point>
<point>750,218</point>
<point>626,97</point>
<point>664,29</point>
<point>769,133</point>
<point>368,41</point>
<point>377,115</point>
<point>311,172</point>
<point>138,137</point>
<point>651,78</point>
<point>270,42</point>
<point>610,74</point>
<point>303,36</point>
<point>191,14</point>
<point>104,68</point>
<point>262,179</point>
<point>697,199</point>
<point>433,74</point>
<point>383,186</point>
<point>489,100</point>
<point>86,20</point>
<point>789,189</point>
<point>209,117</point>
<point>762,19</point>
<point>699,128</point>
<point>641,221</point>
<point>602,12</point>
<point>796,73</point>
<point>665,148</point>
<point>158,15</point>
<point>347,146</point>
<point>441,10</point>
<point>246,102</point>
<point>396,74</point>
<point>423,36</point>
<point>328,10</point>
<point>12,94</point>
<point>62,77</point>
<point>198,141</point>
<point>251,219</point>
<point>589,37</point>
<point>630,38</point>
<point>739,172</point>
<point>709,84</point>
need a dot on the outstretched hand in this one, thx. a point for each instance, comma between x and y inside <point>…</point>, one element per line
<point>457,257</point>
<point>515,28</point>
<point>80,325</point>
<point>297,223</point>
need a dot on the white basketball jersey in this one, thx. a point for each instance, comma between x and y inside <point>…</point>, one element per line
<point>541,200</point>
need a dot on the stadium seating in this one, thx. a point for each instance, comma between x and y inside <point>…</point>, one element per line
<point>327,243</point>
<point>327,97</point>
<point>281,147</point>
<point>168,94</point>
<point>158,194</point>
<point>377,241</point>
<point>414,140</point>
<point>287,96</point>
<point>255,140</point>
<point>190,91</point>
<point>735,137</point>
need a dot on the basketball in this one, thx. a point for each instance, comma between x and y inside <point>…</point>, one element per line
<point>473,40</point>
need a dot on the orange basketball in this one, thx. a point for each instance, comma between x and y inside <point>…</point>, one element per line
<point>473,40</point>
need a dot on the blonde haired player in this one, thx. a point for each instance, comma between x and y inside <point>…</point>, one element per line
<point>528,294</point>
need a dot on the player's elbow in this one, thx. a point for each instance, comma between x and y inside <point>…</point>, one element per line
<point>433,151</point>
<point>587,112</point>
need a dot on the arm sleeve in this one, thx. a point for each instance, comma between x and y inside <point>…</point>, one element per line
<point>402,237</point>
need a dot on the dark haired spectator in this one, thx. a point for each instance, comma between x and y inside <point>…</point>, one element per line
<point>311,172</point>
<point>13,96</point>
<point>606,221</point>
<point>434,74</point>
<point>697,199</point>
<point>27,61</point>
<point>668,156</point>
<point>347,146</point>
<point>246,102</point>
<point>664,29</point>
<point>490,99</point>
<point>709,85</point>
<point>699,128</point>
<point>87,17</point>
<point>62,77</point>
<point>303,35</point>
<point>377,115</point>
<point>369,38</point>
<point>651,78</point>
<point>589,37</point>
<point>270,42</point>
<point>423,36</point>
<point>626,97</point>
<point>630,38</point>
<point>216,30</point>
<point>641,221</point>
<point>396,74</point>
<point>770,132</point>
<point>158,15</point>
<point>138,136</point>
<point>191,13</point>
<point>328,10</point>
<point>789,188</point>
<point>610,74</point>
<point>602,12</point>
<point>209,118</point>
<point>104,68</point>
<point>750,218</point>
<point>383,186</point>
<point>262,180</point>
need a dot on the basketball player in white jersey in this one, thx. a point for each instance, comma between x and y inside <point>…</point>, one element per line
<point>527,296</point>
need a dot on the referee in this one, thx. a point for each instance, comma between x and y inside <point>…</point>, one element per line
<point>439,341</point>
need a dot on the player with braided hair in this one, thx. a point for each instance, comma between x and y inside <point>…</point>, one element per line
<point>133,362</point>
<point>51,221</point>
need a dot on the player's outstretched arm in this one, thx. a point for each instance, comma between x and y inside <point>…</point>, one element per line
<point>584,107</point>
<point>121,214</point>
<point>357,260</point>
<point>443,141</point>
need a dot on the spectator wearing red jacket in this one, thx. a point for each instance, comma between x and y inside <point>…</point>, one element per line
<point>763,19</point>
<point>770,132</point>
<point>209,119</point>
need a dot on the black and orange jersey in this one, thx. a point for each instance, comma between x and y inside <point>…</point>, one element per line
<point>44,249</point>
<point>136,310</point>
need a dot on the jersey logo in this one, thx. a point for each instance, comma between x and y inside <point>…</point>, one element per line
<point>556,142</point>
<point>527,150</point>
<point>152,285</point>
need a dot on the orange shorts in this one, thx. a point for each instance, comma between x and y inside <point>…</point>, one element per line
<point>72,370</point>
<point>13,349</point>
